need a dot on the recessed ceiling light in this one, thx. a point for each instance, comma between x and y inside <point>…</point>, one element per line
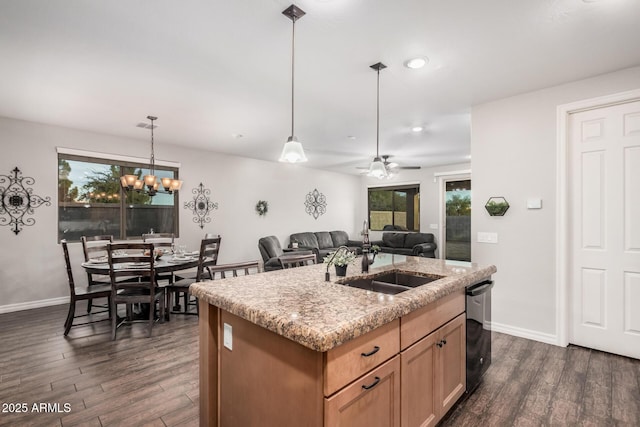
<point>351,137</point>
<point>237,135</point>
<point>415,63</point>
<point>416,129</point>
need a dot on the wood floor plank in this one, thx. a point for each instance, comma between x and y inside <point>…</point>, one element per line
<point>137,380</point>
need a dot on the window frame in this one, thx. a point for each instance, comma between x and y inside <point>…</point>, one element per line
<point>121,162</point>
<point>393,188</point>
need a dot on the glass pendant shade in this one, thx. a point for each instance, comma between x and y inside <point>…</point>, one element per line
<point>377,169</point>
<point>128,181</point>
<point>138,185</point>
<point>292,152</point>
<point>149,180</point>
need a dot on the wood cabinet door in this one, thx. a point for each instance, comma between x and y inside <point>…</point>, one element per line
<point>418,398</point>
<point>451,361</point>
<point>372,400</point>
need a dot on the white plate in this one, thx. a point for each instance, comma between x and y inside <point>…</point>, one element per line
<point>185,259</point>
<point>98,260</point>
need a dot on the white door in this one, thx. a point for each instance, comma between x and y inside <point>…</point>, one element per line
<point>605,228</point>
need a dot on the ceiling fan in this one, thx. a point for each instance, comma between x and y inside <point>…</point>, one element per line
<point>390,167</point>
<point>380,167</point>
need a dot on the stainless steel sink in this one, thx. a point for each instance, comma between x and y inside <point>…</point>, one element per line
<point>390,283</point>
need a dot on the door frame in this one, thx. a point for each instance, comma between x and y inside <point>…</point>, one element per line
<point>441,178</point>
<point>562,247</point>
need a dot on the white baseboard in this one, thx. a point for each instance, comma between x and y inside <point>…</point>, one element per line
<point>33,304</point>
<point>525,333</point>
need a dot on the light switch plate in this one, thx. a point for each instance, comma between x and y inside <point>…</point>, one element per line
<point>485,237</point>
<point>228,336</point>
<point>433,226</point>
<point>535,203</point>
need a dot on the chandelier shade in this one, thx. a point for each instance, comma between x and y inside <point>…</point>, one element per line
<point>293,152</point>
<point>150,183</point>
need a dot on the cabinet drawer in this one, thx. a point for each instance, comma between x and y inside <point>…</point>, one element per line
<point>422,322</point>
<point>373,400</point>
<point>352,359</point>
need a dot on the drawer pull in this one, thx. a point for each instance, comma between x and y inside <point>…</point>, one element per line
<point>375,383</point>
<point>371,353</point>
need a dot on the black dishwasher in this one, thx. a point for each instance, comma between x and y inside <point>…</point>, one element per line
<point>478,307</point>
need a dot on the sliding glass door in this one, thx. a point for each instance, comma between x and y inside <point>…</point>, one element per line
<point>457,245</point>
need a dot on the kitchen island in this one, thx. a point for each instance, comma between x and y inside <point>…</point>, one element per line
<point>288,348</point>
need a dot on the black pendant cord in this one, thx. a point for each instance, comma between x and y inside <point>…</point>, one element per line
<point>378,117</point>
<point>152,160</point>
<point>293,58</point>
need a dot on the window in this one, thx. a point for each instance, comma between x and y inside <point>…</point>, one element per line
<point>397,206</point>
<point>91,201</point>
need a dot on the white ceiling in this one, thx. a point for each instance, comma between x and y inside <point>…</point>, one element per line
<point>212,69</point>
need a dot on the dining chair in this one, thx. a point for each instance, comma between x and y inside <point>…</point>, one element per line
<point>207,258</point>
<point>163,241</point>
<point>95,247</point>
<point>138,262</point>
<point>217,272</point>
<point>159,240</point>
<point>82,293</point>
<point>297,260</point>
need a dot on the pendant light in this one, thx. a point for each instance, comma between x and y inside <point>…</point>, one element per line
<point>377,168</point>
<point>150,181</point>
<point>292,152</point>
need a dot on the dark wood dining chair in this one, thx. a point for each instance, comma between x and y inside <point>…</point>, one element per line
<point>159,240</point>
<point>217,272</point>
<point>164,241</point>
<point>82,293</point>
<point>207,258</point>
<point>297,260</point>
<point>238,269</point>
<point>139,263</point>
<point>95,247</point>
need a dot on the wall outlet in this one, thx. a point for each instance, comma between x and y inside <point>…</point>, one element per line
<point>433,226</point>
<point>484,237</point>
<point>228,336</point>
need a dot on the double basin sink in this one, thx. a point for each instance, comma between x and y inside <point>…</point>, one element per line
<point>390,283</point>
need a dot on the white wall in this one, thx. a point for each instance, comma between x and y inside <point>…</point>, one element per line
<point>429,194</point>
<point>32,265</point>
<point>513,147</point>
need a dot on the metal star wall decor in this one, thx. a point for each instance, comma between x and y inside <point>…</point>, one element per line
<point>18,200</point>
<point>315,204</point>
<point>201,205</point>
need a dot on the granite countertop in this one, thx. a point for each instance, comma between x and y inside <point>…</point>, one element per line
<point>299,305</point>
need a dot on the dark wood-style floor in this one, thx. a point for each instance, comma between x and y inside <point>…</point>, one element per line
<point>139,381</point>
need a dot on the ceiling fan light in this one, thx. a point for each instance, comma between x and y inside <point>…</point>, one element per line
<point>292,152</point>
<point>377,169</point>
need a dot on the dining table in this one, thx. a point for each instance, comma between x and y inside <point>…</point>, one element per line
<point>166,263</point>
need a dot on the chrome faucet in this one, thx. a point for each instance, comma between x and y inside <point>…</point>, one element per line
<point>327,276</point>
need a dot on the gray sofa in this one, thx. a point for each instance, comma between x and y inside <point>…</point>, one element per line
<point>407,243</point>
<point>324,242</point>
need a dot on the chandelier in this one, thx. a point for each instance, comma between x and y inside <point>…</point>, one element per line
<point>150,184</point>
